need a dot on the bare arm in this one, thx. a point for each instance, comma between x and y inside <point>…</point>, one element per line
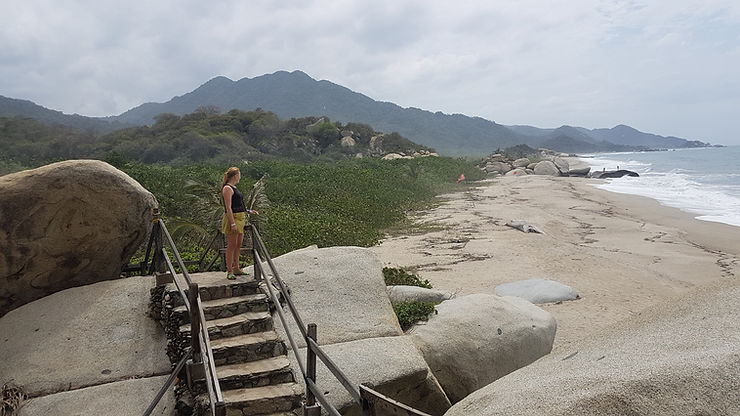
<point>227,193</point>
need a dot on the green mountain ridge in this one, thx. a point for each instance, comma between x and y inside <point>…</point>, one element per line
<point>295,94</point>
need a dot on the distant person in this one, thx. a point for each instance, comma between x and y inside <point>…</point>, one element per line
<point>233,221</point>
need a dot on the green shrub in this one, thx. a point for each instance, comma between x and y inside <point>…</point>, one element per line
<point>409,313</point>
<point>397,276</point>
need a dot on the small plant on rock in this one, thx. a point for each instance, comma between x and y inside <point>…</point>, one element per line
<point>409,313</point>
<point>397,276</point>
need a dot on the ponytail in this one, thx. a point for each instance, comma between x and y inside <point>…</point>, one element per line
<point>230,173</point>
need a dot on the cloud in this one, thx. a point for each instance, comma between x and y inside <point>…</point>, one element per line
<point>545,63</point>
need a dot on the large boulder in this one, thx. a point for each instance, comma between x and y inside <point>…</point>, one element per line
<point>390,365</point>
<point>521,162</point>
<point>476,339</point>
<point>537,290</point>
<point>83,336</point>
<point>402,293</point>
<point>342,290</point>
<point>562,164</point>
<point>500,167</point>
<point>67,224</point>
<point>546,167</point>
<point>680,357</point>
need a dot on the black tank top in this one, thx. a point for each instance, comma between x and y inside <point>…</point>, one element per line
<point>237,201</point>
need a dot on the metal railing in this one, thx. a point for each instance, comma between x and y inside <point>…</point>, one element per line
<point>200,344</point>
<point>368,399</point>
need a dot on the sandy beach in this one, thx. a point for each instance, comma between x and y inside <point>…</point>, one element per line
<point>621,253</point>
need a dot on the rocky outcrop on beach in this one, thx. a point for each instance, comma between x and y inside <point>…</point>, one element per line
<point>67,224</point>
<point>342,291</point>
<point>474,340</point>
<point>545,162</point>
<point>402,293</point>
<point>677,357</point>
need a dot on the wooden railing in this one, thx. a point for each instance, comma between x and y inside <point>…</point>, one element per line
<point>200,344</point>
<point>368,399</point>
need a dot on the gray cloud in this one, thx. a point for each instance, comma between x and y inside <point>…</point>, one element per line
<point>663,67</point>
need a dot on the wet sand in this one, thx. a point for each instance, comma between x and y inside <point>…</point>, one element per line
<point>621,253</point>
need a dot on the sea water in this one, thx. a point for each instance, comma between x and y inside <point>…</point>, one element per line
<point>703,181</point>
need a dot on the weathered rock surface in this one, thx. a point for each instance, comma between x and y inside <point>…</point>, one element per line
<point>537,290</point>
<point>613,174</point>
<point>476,339</point>
<point>680,357</point>
<point>500,167</point>
<point>83,336</point>
<point>583,172</point>
<point>517,172</point>
<point>401,293</point>
<point>562,164</point>
<point>67,224</point>
<point>347,304</point>
<point>521,162</point>
<point>546,167</point>
<point>127,397</point>
<point>392,365</point>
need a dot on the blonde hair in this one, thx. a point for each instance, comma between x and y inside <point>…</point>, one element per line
<point>230,173</point>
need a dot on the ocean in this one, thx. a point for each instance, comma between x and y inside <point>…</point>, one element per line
<point>704,181</point>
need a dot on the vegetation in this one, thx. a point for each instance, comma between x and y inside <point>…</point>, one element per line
<point>203,136</point>
<point>409,313</point>
<point>397,276</point>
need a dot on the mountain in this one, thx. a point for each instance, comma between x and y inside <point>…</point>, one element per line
<point>11,107</point>
<point>295,94</point>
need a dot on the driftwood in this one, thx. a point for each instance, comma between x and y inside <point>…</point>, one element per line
<point>524,226</point>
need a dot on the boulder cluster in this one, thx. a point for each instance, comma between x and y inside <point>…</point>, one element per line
<point>546,162</point>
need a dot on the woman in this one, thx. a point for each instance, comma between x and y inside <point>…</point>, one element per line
<point>234,219</point>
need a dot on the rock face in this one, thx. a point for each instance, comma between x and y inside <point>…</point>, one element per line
<point>681,357</point>
<point>497,167</point>
<point>537,290</point>
<point>83,336</point>
<point>348,304</point>
<point>500,335</point>
<point>401,293</point>
<point>392,365</point>
<point>546,167</point>
<point>521,162</point>
<point>67,224</point>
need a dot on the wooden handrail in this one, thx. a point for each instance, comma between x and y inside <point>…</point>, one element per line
<point>361,395</point>
<point>169,382</point>
<point>199,340</point>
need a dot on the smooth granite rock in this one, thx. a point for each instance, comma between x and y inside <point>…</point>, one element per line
<point>83,336</point>
<point>67,224</point>
<point>537,290</point>
<point>476,339</point>
<point>680,357</point>
<point>391,365</point>
<point>342,290</point>
<point>402,293</point>
<point>546,167</point>
<point>127,397</point>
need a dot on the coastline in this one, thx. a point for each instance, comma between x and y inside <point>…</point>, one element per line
<point>621,253</point>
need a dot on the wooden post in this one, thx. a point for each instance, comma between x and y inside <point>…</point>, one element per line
<point>311,408</point>
<point>194,321</point>
<point>253,238</point>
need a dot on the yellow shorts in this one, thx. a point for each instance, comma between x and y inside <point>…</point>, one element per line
<point>240,218</point>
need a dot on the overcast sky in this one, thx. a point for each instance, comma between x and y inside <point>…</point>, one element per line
<point>664,67</point>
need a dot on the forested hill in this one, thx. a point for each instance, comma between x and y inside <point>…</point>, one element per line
<point>295,94</point>
<point>201,136</point>
<point>11,107</point>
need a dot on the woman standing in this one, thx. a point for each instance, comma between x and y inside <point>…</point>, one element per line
<point>234,220</point>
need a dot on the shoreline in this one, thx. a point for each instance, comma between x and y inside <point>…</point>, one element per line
<point>620,252</point>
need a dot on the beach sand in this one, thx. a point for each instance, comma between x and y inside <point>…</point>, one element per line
<point>621,253</point>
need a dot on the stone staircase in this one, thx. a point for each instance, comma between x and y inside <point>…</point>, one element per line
<point>251,360</point>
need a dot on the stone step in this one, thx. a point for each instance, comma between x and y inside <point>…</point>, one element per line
<point>244,323</point>
<point>214,285</point>
<point>263,400</point>
<point>247,347</point>
<point>270,371</point>
<point>225,307</point>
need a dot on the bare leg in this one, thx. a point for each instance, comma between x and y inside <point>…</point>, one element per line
<point>237,251</point>
<point>231,241</point>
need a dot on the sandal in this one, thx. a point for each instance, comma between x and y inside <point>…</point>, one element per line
<point>231,276</point>
<point>239,272</point>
